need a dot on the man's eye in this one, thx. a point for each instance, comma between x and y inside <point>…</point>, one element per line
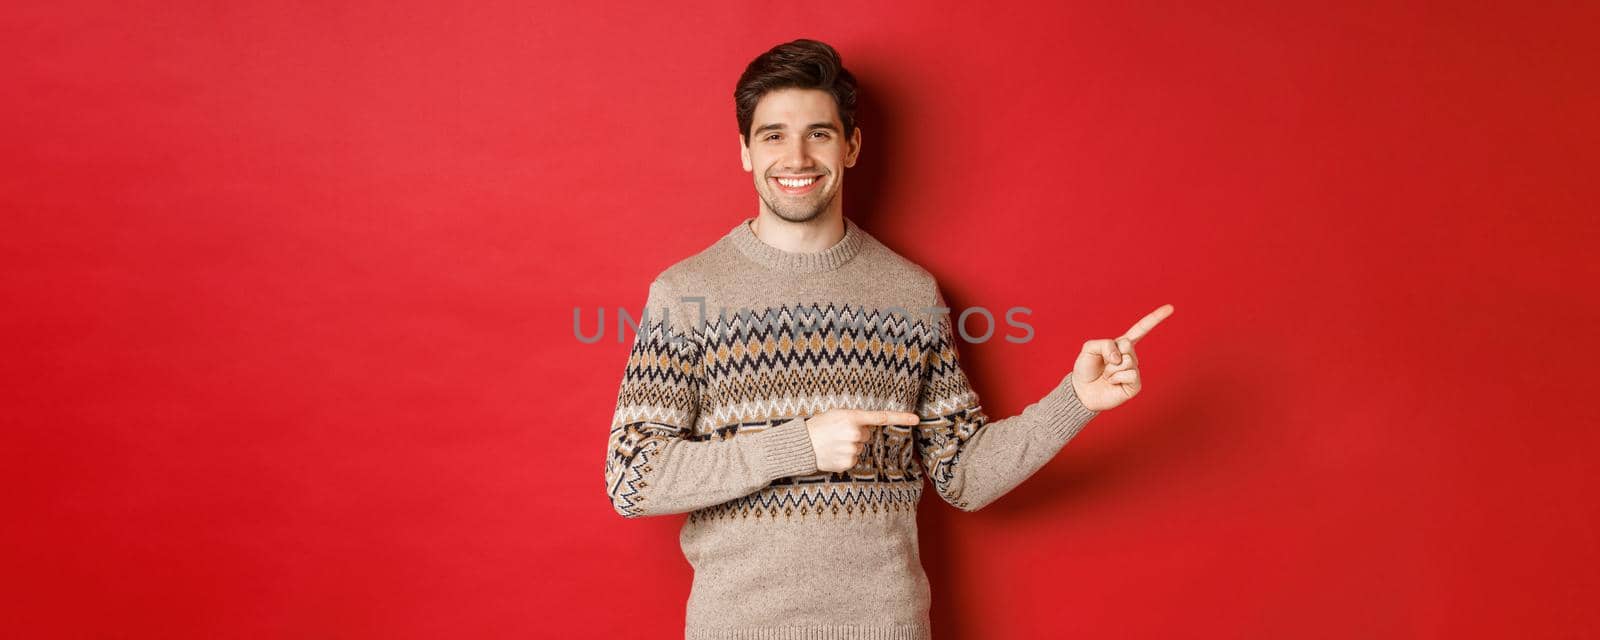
<point>821,133</point>
<point>772,136</point>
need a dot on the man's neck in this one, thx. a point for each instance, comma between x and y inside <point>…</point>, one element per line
<point>812,236</point>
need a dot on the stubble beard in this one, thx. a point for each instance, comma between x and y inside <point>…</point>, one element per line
<point>796,212</point>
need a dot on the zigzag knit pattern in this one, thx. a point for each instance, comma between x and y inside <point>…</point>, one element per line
<point>713,420</point>
<point>754,369</point>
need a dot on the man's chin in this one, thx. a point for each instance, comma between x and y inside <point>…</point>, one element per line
<point>793,215</point>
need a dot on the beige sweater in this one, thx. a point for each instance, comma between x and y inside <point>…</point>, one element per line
<point>710,421</point>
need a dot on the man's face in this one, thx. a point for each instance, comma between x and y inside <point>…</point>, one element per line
<point>796,136</point>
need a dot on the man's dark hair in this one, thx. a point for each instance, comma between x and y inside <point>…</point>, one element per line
<point>800,64</point>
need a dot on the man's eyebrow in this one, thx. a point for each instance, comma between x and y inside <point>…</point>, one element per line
<point>779,126</point>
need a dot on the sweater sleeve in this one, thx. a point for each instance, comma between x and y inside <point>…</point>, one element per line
<point>971,460</point>
<point>655,464</point>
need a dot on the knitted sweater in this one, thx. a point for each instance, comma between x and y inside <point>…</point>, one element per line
<point>710,421</point>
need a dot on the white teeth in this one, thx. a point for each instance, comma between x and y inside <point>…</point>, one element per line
<point>796,184</point>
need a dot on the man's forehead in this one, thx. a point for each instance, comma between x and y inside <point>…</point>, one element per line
<point>796,107</point>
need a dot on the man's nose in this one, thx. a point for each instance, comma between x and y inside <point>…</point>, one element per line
<point>794,155</point>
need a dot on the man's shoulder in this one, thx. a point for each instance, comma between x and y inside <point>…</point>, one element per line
<point>696,271</point>
<point>906,266</point>
<point>890,266</point>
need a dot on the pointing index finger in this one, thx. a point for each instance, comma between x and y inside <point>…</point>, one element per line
<point>1145,324</point>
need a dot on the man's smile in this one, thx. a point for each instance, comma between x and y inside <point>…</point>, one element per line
<point>796,185</point>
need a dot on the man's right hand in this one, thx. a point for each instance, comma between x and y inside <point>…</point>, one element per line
<point>839,435</point>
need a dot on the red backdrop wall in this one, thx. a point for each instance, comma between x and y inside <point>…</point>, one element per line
<point>289,292</point>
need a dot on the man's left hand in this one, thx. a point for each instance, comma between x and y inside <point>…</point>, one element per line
<point>1107,372</point>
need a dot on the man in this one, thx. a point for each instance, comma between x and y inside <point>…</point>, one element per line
<point>795,425</point>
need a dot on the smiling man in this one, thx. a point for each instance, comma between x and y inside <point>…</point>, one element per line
<point>795,426</point>
<point>798,156</point>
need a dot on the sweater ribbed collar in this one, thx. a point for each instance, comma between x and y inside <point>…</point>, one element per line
<point>744,237</point>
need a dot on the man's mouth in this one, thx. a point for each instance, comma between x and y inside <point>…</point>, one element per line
<point>797,185</point>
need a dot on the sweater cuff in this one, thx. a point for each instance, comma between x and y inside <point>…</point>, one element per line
<point>1063,413</point>
<point>785,450</point>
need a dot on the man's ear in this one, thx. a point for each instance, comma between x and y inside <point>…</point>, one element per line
<point>855,148</point>
<point>744,154</point>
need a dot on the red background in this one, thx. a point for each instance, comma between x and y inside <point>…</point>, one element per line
<point>289,287</point>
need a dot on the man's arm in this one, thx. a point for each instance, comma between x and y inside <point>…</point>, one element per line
<point>654,464</point>
<point>971,460</point>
